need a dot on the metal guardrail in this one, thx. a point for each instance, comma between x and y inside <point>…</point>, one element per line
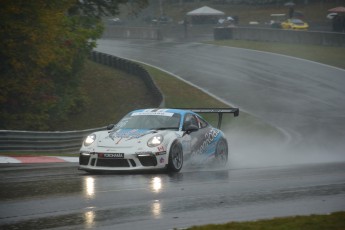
<point>35,141</point>
<point>149,33</point>
<point>70,141</point>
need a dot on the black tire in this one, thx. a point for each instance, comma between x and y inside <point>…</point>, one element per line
<point>175,157</point>
<point>221,155</point>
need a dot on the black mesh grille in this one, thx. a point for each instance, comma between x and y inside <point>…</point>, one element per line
<point>148,160</point>
<point>112,162</point>
<point>132,162</point>
<point>84,160</point>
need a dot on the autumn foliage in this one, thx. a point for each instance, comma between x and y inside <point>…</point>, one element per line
<point>43,47</point>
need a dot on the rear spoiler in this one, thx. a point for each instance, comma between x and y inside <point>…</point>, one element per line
<point>220,111</point>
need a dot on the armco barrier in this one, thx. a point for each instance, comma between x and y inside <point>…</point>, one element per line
<point>149,33</point>
<point>280,35</point>
<point>70,141</point>
<point>32,141</point>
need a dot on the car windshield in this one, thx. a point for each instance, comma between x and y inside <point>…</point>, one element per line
<point>142,120</point>
<point>296,21</point>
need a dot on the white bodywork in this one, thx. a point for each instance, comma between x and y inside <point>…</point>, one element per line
<point>132,146</point>
<point>154,139</point>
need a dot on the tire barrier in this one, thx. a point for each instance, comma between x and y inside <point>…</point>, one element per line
<point>70,141</point>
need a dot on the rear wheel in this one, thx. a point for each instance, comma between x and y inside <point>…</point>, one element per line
<point>221,154</point>
<point>175,157</point>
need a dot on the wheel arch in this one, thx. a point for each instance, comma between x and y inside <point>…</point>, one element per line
<point>170,165</point>
<point>171,142</point>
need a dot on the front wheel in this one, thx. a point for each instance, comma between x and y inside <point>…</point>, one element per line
<point>175,157</point>
<point>221,154</point>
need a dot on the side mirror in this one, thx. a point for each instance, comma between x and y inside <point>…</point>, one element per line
<point>110,127</point>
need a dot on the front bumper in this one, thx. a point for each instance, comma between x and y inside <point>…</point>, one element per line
<point>97,161</point>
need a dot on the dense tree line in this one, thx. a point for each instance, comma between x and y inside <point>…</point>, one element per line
<point>43,47</point>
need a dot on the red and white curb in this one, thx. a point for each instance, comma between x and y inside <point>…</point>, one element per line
<point>36,159</point>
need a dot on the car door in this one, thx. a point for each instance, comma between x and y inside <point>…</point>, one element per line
<point>195,142</point>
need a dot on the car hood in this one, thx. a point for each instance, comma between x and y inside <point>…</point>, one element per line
<point>125,138</point>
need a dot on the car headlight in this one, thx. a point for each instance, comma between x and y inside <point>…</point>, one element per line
<point>155,141</point>
<point>89,139</point>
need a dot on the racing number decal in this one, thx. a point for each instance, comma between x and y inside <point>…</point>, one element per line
<point>200,141</point>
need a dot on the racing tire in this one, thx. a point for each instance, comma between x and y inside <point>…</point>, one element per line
<point>221,155</point>
<point>175,157</point>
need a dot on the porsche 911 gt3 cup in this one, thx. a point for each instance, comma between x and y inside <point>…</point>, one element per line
<point>155,139</point>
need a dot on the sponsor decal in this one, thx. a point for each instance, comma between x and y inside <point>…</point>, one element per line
<point>159,112</point>
<point>118,141</point>
<point>209,138</point>
<point>160,148</point>
<point>111,155</point>
<point>148,153</point>
<point>129,133</point>
<point>161,160</point>
<point>122,123</point>
<point>161,153</point>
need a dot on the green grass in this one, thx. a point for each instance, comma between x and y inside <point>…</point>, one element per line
<point>180,94</point>
<point>110,94</point>
<point>329,55</point>
<point>334,221</point>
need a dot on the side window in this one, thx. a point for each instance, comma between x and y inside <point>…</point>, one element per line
<point>202,122</point>
<point>190,119</point>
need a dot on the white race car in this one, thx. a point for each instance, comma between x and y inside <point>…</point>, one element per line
<point>155,139</point>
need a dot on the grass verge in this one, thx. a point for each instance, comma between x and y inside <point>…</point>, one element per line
<point>110,94</point>
<point>334,221</point>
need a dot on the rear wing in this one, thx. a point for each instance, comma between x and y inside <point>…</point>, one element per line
<point>219,111</point>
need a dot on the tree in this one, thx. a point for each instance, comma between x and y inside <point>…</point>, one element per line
<point>43,47</point>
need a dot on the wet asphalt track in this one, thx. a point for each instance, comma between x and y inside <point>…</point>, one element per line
<point>265,178</point>
<point>57,196</point>
<point>304,99</point>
